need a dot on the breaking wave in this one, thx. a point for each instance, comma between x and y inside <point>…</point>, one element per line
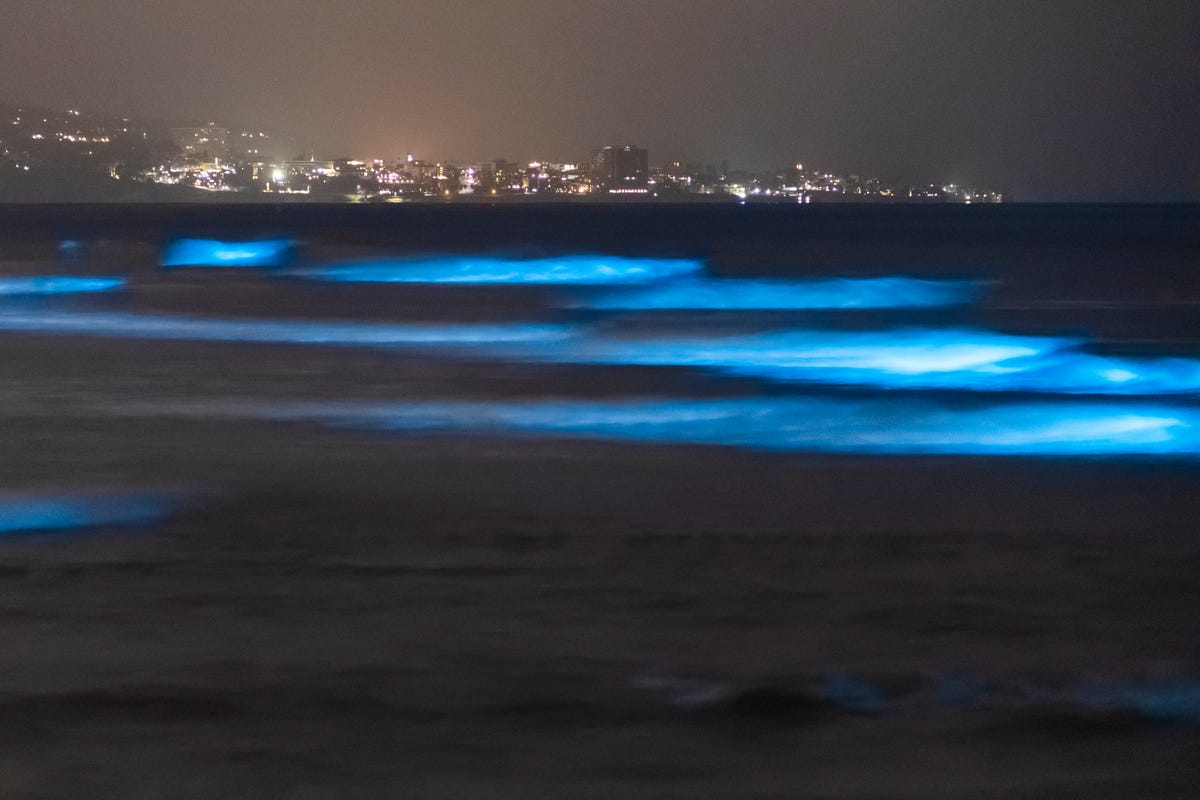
<point>749,295</point>
<point>36,285</point>
<point>816,424</point>
<point>49,513</point>
<point>575,269</point>
<point>972,360</point>
<point>216,253</point>
<point>166,326</point>
<point>1167,701</point>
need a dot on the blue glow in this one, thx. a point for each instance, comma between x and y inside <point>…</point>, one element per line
<point>164,326</point>
<point>852,693</point>
<point>1169,701</point>
<point>71,512</point>
<point>56,284</point>
<point>214,253</point>
<point>580,269</point>
<point>841,293</point>
<point>920,359</point>
<point>71,250</point>
<point>1172,700</point>
<point>961,688</point>
<point>910,359</point>
<point>1061,428</point>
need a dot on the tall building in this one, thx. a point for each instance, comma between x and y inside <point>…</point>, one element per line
<point>202,143</point>
<point>620,168</point>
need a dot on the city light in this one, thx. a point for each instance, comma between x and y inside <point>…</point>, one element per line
<point>214,158</point>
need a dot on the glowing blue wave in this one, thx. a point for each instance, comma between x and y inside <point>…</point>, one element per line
<point>920,359</point>
<point>214,253</point>
<point>734,294</point>
<point>579,269</point>
<point>1063,428</point>
<point>913,359</point>
<point>41,513</point>
<point>56,284</point>
<point>1168,700</point>
<point>164,326</point>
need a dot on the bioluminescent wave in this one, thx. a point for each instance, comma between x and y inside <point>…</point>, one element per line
<point>36,285</point>
<point>313,332</point>
<point>749,295</point>
<point>961,360</point>
<point>880,426</point>
<point>575,269</point>
<point>920,359</point>
<point>214,253</point>
<point>63,512</point>
<point>1168,700</point>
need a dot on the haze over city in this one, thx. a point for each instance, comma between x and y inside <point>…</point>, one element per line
<point>1067,101</point>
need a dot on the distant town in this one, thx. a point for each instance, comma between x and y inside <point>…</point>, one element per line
<point>68,155</point>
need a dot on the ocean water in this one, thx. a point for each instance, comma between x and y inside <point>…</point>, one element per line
<point>595,501</point>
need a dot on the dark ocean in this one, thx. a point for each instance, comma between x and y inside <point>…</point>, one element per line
<point>596,501</point>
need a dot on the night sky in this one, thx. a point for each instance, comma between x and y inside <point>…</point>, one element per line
<point>1045,100</point>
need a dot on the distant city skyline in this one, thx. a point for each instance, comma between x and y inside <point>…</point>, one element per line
<point>69,154</point>
<point>247,138</point>
<point>1050,101</point>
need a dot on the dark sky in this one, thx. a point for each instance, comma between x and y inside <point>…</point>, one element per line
<point>1046,99</point>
